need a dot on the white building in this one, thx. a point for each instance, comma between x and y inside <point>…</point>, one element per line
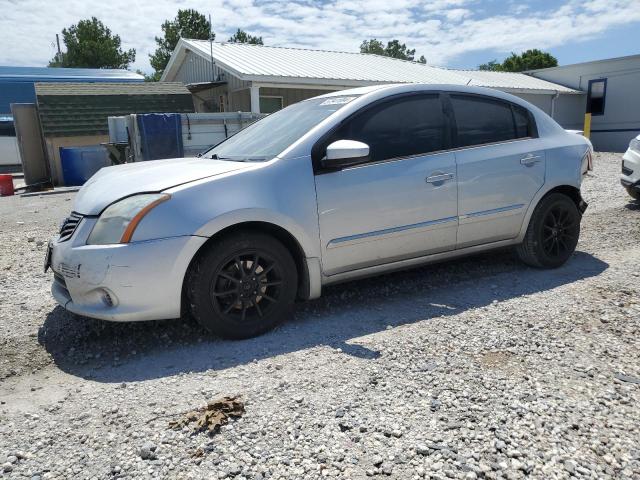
<point>612,97</point>
<point>261,79</point>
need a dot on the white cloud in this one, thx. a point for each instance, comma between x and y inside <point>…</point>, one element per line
<point>439,29</point>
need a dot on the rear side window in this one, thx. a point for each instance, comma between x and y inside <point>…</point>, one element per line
<point>482,120</point>
<point>398,128</point>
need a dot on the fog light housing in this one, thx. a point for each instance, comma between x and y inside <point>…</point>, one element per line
<point>108,299</point>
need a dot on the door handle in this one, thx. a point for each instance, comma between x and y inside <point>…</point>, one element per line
<point>439,178</point>
<point>529,160</point>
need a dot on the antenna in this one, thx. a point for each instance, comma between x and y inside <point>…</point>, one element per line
<point>213,79</point>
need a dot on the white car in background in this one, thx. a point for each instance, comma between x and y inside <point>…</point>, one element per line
<point>630,177</point>
<point>337,187</point>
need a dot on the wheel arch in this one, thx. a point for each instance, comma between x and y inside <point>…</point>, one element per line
<point>572,191</point>
<point>281,234</point>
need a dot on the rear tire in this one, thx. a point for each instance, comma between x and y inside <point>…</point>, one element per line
<point>635,194</point>
<point>552,234</point>
<point>242,285</point>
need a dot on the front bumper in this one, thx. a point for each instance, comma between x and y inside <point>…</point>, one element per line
<point>630,175</point>
<point>122,282</point>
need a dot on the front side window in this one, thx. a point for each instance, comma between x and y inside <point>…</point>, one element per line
<point>596,95</point>
<point>403,127</point>
<point>482,120</point>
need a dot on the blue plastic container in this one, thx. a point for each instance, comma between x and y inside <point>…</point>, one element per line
<point>80,163</point>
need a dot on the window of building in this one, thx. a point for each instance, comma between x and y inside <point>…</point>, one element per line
<point>270,104</point>
<point>481,120</point>
<point>596,96</point>
<point>7,129</point>
<point>401,127</point>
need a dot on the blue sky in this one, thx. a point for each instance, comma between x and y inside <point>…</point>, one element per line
<point>453,33</point>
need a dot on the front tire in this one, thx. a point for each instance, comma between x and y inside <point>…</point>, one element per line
<point>242,285</point>
<point>553,232</point>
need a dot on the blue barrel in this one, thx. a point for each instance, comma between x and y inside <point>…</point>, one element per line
<point>80,163</point>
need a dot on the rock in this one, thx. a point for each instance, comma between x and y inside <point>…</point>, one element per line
<point>377,461</point>
<point>7,467</point>
<point>148,451</point>
<point>570,466</point>
<point>234,469</point>
<point>422,449</point>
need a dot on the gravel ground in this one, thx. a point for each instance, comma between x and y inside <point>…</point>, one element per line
<point>479,368</point>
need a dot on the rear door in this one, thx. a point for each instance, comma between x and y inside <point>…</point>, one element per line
<point>501,166</point>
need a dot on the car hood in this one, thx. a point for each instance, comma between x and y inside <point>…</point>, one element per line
<point>113,183</point>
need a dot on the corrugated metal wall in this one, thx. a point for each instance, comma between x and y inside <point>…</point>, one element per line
<point>195,69</point>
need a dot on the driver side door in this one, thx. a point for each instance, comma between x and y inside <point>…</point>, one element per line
<point>401,202</point>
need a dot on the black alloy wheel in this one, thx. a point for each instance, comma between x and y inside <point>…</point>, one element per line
<point>242,285</point>
<point>553,232</point>
<point>560,231</point>
<point>247,286</point>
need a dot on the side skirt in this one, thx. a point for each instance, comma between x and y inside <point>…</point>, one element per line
<point>414,262</point>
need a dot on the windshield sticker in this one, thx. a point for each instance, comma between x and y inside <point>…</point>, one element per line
<point>337,100</point>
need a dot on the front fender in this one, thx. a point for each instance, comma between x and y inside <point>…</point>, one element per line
<point>262,215</point>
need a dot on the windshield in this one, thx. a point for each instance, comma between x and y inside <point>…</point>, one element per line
<point>270,136</point>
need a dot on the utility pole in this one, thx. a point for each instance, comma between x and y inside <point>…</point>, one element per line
<point>211,49</point>
<point>59,54</point>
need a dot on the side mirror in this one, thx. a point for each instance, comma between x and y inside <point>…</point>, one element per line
<point>343,153</point>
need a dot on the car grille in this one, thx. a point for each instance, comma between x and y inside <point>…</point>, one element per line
<point>625,170</point>
<point>69,226</point>
<point>59,279</point>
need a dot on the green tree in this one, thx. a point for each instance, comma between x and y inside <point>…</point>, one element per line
<point>187,24</point>
<point>243,37</point>
<point>90,44</point>
<point>394,49</point>
<point>492,66</point>
<point>372,46</point>
<point>528,60</point>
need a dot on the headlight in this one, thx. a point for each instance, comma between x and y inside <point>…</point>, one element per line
<point>119,220</point>
<point>635,145</point>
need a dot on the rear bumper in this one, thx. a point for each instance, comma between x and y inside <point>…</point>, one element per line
<point>124,282</point>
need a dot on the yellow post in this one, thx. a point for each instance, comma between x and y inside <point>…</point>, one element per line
<point>587,125</point>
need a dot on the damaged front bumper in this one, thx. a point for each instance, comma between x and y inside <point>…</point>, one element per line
<point>121,282</point>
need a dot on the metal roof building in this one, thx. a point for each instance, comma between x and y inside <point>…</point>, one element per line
<point>17,83</point>
<point>262,79</point>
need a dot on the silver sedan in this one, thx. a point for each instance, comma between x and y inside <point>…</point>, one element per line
<point>345,185</point>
